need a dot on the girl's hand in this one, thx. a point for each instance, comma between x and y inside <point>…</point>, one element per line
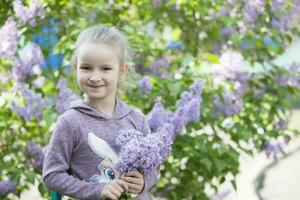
<point>114,189</point>
<point>135,181</point>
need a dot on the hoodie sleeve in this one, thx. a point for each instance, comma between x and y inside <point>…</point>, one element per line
<point>57,163</point>
<point>151,178</point>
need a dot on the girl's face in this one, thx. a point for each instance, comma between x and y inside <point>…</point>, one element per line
<point>98,70</point>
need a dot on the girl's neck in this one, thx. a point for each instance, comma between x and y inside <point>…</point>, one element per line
<point>105,105</point>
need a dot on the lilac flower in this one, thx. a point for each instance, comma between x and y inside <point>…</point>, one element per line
<point>157,117</point>
<point>157,3</point>
<point>38,155</point>
<point>35,103</point>
<point>197,87</point>
<point>145,84</point>
<point>158,65</point>
<point>144,154</point>
<point>229,105</point>
<point>166,134</point>
<point>65,96</point>
<point>7,187</point>
<point>253,9</point>
<point>185,98</point>
<point>39,82</point>
<point>277,5</point>
<point>28,14</point>
<point>283,20</point>
<point>274,148</point>
<point>193,110</point>
<point>227,32</point>
<point>231,69</point>
<point>127,135</point>
<point>281,124</point>
<point>291,76</point>
<point>10,36</point>
<point>179,119</point>
<point>30,62</point>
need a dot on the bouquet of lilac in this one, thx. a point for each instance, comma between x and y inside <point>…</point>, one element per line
<point>143,153</point>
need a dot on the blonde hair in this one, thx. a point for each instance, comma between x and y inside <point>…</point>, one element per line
<point>109,35</point>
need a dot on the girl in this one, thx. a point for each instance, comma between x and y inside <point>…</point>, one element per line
<point>82,152</point>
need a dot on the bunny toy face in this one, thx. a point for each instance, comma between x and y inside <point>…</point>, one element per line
<point>106,168</point>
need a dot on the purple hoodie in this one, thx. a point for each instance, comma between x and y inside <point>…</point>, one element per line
<point>72,165</point>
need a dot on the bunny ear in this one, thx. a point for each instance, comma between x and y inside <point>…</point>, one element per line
<point>102,148</point>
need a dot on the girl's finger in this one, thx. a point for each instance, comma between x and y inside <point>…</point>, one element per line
<point>133,186</point>
<point>118,187</point>
<point>112,196</point>
<point>116,192</point>
<point>123,184</point>
<point>132,180</point>
<point>134,173</point>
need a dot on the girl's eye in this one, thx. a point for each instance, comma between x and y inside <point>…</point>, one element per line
<point>109,173</point>
<point>107,68</point>
<point>84,68</point>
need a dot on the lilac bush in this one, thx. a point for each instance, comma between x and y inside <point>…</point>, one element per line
<point>28,14</point>
<point>29,63</point>
<point>7,187</point>
<point>65,96</point>
<point>145,84</point>
<point>10,36</point>
<point>35,103</point>
<point>37,152</point>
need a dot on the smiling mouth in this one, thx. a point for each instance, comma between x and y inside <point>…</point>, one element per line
<point>96,86</point>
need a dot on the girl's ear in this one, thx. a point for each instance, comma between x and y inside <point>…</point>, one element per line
<point>74,66</point>
<point>124,70</point>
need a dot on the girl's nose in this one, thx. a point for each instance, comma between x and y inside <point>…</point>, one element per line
<point>96,76</point>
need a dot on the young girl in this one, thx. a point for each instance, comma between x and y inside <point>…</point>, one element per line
<point>82,152</point>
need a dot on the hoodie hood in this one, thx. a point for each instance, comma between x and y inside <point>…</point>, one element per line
<point>121,109</point>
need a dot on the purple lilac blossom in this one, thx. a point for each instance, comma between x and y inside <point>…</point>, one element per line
<point>179,119</point>
<point>231,68</point>
<point>197,87</point>
<point>147,153</point>
<point>39,82</point>
<point>157,117</point>
<point>145,84</point>
<point>283,20</point>
<point>281,124</point>
<point>193,109</point>
<point>7,187</point>
<point>158,65</point>
<point>229,105</point>
<point>29,63</point>
<point>65,96</point>
<point>127,135</point>
<point>185,98</point>
<point>253,9</point>
<point>291,76</point>
<point>10,36</point>
<point>38,155</point>
<point>35,103</point>
<point>274,148</point>
<point>28,14</point>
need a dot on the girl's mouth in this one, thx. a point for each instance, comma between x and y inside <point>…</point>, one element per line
<point>96,86</point>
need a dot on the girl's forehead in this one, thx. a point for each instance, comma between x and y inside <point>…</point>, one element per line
<point>92,51</point>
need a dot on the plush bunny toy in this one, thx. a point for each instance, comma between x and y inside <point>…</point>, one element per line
<point>107,170</point>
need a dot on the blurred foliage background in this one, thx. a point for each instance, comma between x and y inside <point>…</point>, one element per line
<point>204,65</point>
